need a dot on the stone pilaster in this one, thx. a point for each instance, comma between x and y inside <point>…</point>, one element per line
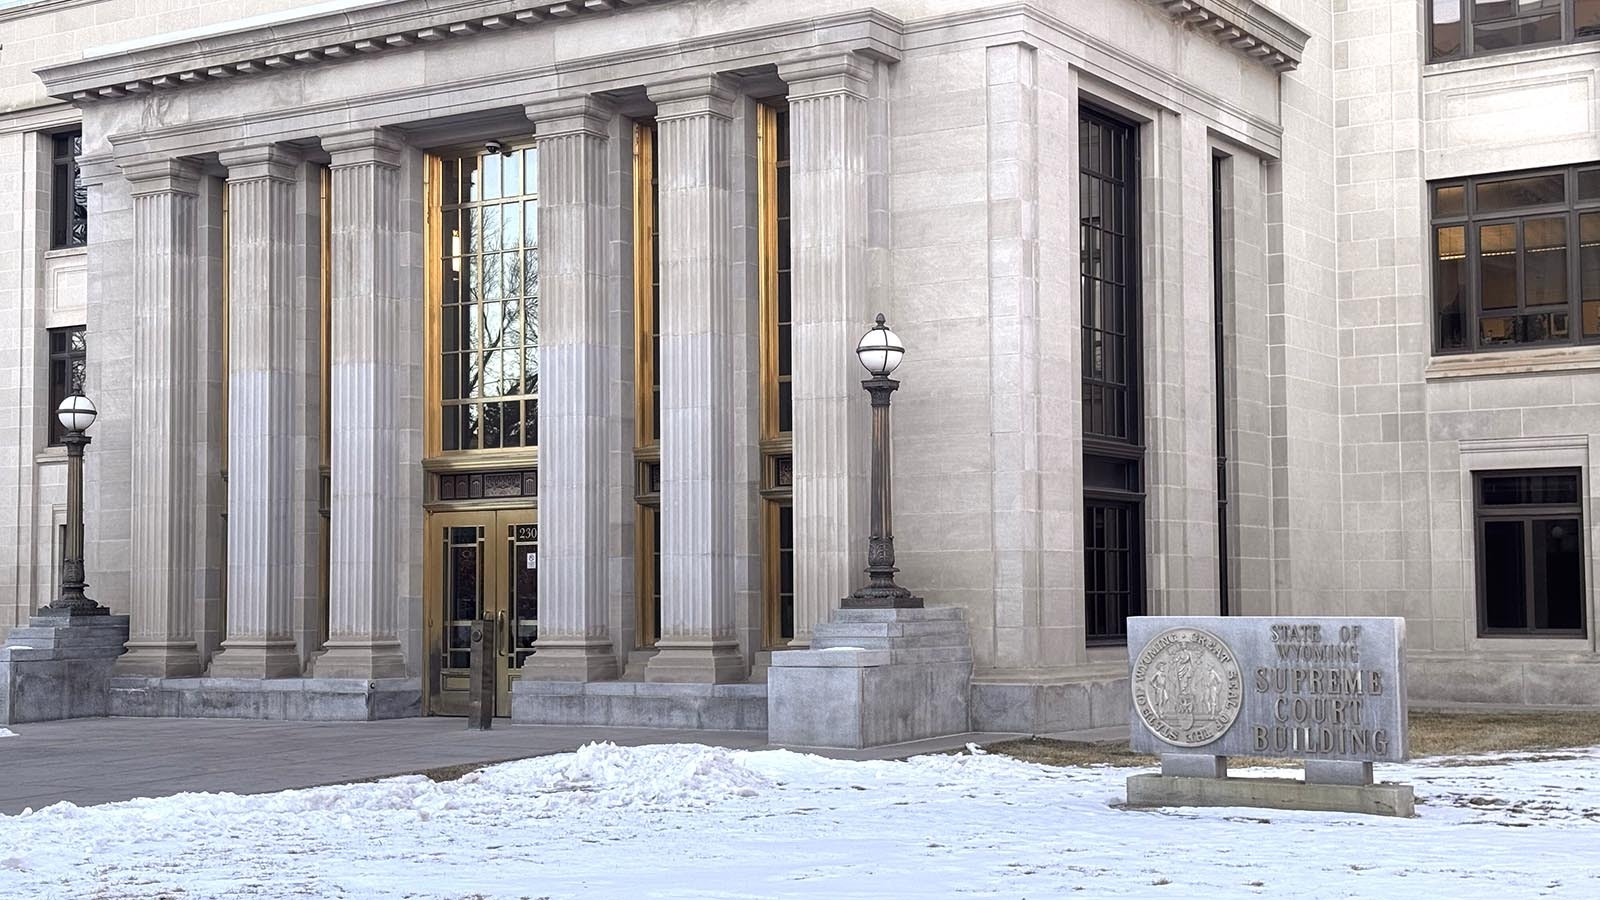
<point>829,189</point>
<point>261,415</point>
<point>166,373</point>
<point>574,631</point>
<point>367,546</point>
<point>699,491</point>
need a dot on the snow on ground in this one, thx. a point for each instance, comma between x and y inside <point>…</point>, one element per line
<point>685,821</point>
<point>6,732</point>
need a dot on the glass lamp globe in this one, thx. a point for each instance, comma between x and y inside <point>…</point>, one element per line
<point>76,413</point>
<point>880,350</point>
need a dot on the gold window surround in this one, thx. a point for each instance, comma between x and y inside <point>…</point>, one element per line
<point>469,251</point>
<point>647,384</point>
<point>776,375</point>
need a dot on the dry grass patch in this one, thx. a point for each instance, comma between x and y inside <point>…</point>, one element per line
<point>1458,733</point>
<point>1432,734</point>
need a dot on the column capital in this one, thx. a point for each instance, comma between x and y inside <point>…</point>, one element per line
<point>363,146</point>
<point>161,176</point>
<point>94,170</point>
<point>843,72</point>
<point>272,161</point>
<point>564,116</point>
<point>703,95</point>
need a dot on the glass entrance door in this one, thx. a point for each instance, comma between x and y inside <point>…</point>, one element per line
<point>481,565</point>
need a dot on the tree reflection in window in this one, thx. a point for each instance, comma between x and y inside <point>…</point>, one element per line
<point>489,301</point>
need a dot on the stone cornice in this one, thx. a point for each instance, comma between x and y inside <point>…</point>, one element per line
<point>315,40</point>
<point>1245,25</point>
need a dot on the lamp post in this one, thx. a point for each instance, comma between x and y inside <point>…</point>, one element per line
<point>880,352</point>
<point>76,414</point>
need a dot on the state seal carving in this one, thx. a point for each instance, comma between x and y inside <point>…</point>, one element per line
<point>1187,687</point>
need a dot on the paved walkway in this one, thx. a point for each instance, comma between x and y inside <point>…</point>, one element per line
<point>88,761</point>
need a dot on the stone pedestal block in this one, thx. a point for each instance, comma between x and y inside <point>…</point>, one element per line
<point>638,704</point>
<point>279,699</point>
<point>873,677</point>
<point>59,667</point>
<point>1271,793</point>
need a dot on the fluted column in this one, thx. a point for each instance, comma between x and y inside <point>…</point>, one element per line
<point>574,630</point>
<point>698,490</point>
<point>367,547</point>
<point>166,373</point>
<point>261,415</point>
<point>828,185</point>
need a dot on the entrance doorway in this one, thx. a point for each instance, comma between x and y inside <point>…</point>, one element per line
<point>481,565</point>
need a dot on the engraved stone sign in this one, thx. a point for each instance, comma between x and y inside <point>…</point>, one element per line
<point>1318,688</point>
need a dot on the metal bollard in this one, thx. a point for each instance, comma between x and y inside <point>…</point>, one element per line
<point>481,690</point>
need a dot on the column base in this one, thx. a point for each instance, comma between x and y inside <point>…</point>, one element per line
<point>371,660</point>
<point>696,662</point>
<point>570,661</point>
<point>160,659</point>
<point>256,659</point>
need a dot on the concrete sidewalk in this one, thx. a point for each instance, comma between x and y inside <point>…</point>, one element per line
<point>89,761</point>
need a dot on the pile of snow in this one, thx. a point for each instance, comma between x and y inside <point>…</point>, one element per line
<point>6,732</point>
<point>689,821</point>
<point>678,775</point>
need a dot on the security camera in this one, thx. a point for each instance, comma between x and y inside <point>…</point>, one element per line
<point>495,147</point>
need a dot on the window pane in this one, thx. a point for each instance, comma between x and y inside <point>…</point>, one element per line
<point>1505,605</point>
<point>1450,200</point>
<point>1523,31</point>
<point>1589,179</point>
<point>1557,574</point>
<point>1586,18</point>
<point>1447,29</point>
<point>1497,266</point>
<point>512,181</point>
<point>1530,489</point>
<point>1544,261</point>
<point>1589,269</point>
<point>1450,286</point>
<point>1514,193</point>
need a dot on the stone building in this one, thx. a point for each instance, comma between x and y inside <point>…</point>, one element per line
<point>404,314</point>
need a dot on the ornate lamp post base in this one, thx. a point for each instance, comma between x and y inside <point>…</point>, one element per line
<point>894,597</point>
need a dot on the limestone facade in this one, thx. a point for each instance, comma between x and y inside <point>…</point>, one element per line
<point>258,539</point>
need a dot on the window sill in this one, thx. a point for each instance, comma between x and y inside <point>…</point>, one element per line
<point>51,455</point>
<point>1582,47</point>
<point>66,252</point>
<point>1514,362</point>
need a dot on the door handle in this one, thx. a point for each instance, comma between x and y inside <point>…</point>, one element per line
<point>501,632</point>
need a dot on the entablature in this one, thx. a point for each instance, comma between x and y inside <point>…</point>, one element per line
<point>283,42</point>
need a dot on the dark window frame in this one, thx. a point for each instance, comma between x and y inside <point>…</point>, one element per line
<point>1219,341</point>
<point>1526,513</point>
<point>1471,221</point>
<point>69,212</point>
<point>1465,29</point>
<point>63,380</point>
<point>1113,460</point>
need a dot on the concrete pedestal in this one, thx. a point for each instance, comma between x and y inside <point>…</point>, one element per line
<point>873,677</point>
<point>59,667</point>
<point>1271,793</point>
<point>280,699</point>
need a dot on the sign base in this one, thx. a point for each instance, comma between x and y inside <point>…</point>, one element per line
<point>1271,793</point>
